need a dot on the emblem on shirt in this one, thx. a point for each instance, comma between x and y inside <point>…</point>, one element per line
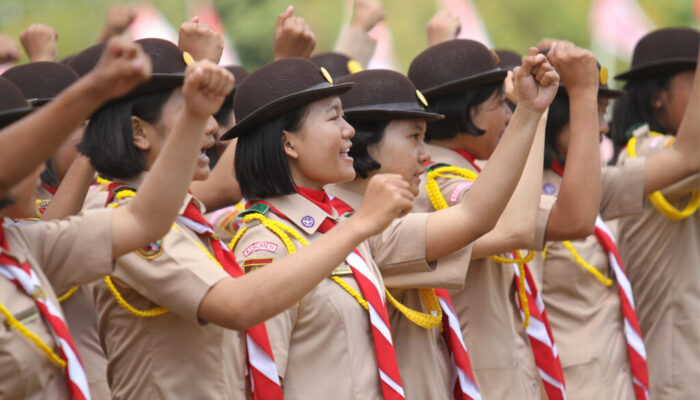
<point>458,190</point>
<point>152,250</point>
<point>308,221</point>
<point>341,270</point>
<point>260,246</point>
<point>255,263</point>
<point>549,188</point>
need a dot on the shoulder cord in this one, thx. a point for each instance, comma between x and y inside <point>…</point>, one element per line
<point>24,331</point>
<point>658,199</point>
<point>439,203</point>
<point>583,263</point>
<point>427,321</point>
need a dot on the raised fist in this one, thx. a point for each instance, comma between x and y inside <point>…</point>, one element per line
<point>9,52</point>
<point>366,14</point>
<point>387,196</point>
<point>577,67</point>
<point>293,37</point>
<point>205,88</point>
<point>119,17</point>
<point>442,27</point>
<point>122,66</point>
<point>201,41</point>
<point>536,82</point>
<point>39,41</point>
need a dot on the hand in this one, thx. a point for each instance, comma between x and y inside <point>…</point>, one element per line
<point>9,52</point>
<point>545,44</point>
<point>366,14</point>
<point>511,93</point>
<point>293,37</point>
<point>442,27</point>
<point>122,66</point>
<point>387,196</point>
<point>577,67</point>
<point>536,82</point>
<point>201,41</point>
<point>39,41</point>
<point>119,17</point>
<point>205,88</point>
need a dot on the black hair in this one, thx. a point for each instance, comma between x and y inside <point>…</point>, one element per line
<point>366,134</point>
<point>557,118</point>
<point>50,177</point>
<point>108,140</point>
<point>223,118</point>
<point>261,165</point>
<point>637,107</point>
<point>456,108</point>
<point>6,201</point>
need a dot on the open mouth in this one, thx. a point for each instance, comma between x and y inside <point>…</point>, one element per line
<point>345,153</point>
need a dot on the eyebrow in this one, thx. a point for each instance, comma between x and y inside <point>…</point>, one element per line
<point>333,107</point>
<point>417,127</point>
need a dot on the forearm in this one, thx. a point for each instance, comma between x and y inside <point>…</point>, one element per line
<point>688,136</point>
<point>221,188</point>
<point>70,196</point>
<point>279,285</point>
<point>578,200</point>
<point>479,210</point>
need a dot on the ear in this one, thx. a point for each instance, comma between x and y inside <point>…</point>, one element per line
<point>288,141</point>
<point>138,127</point>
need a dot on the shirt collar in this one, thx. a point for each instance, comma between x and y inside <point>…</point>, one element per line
<point>306,215</point>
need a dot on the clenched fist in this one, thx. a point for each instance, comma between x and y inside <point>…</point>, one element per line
<point>387,196</point>
<point>201,41</point>
<point>536,82</point>
<point>577,67</point>
<point>366,14</point>
<point>119,17</point>
<point>443,26</point>
<point>293,37</point>
<point>122,66</point>
<point>8,49</point>
<point>39,41</point>
<point>205,88</point>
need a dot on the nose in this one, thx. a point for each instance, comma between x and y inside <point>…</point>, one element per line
<point>347,131</point>
<point>211,127</point>
<point>423,155</point>
<point>603,126</point>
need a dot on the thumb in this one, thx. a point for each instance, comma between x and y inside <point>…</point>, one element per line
<point>195,19</point>
<point>532,59</point>
<point>284,16</point>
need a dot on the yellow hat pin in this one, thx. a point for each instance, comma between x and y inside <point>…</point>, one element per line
<point>604,76</point>
<point>327,75</point>
<point>354,66</point>
<point>421,98</point>
<point>187,57</point>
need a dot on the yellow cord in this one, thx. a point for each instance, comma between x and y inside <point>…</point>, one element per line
<point>13,322</point>
<point>588,267</point>
<point>439,203</point>
<point>67,294</point>
<point>424,320</point>
<point>658,199</point>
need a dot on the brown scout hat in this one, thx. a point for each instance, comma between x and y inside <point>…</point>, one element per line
<point>454,65</point>
<point>662,52</point>
<point>40,82</point>
<point>337,64</point>
<point>508,59</point>
<point>279,87</point>
<point>381,94</point>
<point>13,105</point>
<point>168,65</point>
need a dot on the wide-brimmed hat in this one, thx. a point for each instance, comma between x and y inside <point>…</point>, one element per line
<point>381,94</point>
<point>508,59</point>
<point>454,65</point>
<point>663,52</point>
<point>169,63</point>
<point>279,87</point>
<point>337,64</point>
<point>13,105</point>
<point>41,82</point>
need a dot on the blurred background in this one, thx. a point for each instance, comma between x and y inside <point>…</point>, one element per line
<point>609,27</point>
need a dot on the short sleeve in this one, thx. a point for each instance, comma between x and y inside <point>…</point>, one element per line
<point>545,209</point>
<point>622,191</point>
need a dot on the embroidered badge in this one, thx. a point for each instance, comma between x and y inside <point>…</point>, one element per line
<point>260,246</point>
<point>549,188</point>
<point>655,141</point>
<point>308,221</point>
<point>255,263</point>
<point>153,250</point>
<point>41,206</point>
<point>458,190</point>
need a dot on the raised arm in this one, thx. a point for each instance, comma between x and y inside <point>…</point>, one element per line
<point>70,196</point>
<point>293,37</point>
<point>281,284</point>
<point>154,208</point>
<point>479,210</point>
<point>201,41</point>
<point>578,202</point>
<point>442,27</point>
<point>39,42</point>
<point>122,66</point>
<point>221,188</point>
<point>683,157</point>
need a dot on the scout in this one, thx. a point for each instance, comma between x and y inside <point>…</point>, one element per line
<point>660,248</point>
<point>503,321</point>
<point>167,330</point>
<point>389,121</point>
<point>35,344</point>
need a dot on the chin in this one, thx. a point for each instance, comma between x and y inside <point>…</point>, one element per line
<point>201,174</point>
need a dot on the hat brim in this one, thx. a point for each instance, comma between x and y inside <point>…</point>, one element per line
<point>658,68</point>
<point>494,75</point>
<point>379,113</point>
<point>284,104</point>
<point>9,116</point>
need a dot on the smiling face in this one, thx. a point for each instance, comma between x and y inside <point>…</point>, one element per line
<point>491,116</point>
<point>402,150</point>
<point>150,138</point>
<point>318,151</point>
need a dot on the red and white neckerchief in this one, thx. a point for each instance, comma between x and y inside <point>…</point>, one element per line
<point>464,384</point>
<point>544,349</point>
<point>264,379</point>
<point>26,279</point>
<point>633,334</point>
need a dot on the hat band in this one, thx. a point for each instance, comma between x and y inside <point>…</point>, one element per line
<point>412,106</point>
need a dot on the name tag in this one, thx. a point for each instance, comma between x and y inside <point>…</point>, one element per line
<point>342,270</point>
<point>25,316</point>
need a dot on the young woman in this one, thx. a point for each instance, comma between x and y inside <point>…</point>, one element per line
<point>502,322</point>
<point>660,247</point>
<point>300,135</point>
<point>37,257</point>
<point>384,109</point>
<point>166,314</point>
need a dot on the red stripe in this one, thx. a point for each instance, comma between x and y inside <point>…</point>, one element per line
<point>467,156</point>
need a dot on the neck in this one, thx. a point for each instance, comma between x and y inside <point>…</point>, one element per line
<point>304,181</point>
<point>358,185</point>
<point>462,141</point>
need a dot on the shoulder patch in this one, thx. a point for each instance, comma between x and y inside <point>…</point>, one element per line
<point>153,250</point>
<point>255,263</point>
<point>260,246</point>
<point>458,190</point>
<point>41,206</point>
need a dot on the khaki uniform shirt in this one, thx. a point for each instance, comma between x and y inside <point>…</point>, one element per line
<point>584,314</point>
<point>422,354</point>
<point>174,355</point>
<point>323,346</point>
<point>499,349</point>
<point>662,258</point>
<point>55,250</point>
